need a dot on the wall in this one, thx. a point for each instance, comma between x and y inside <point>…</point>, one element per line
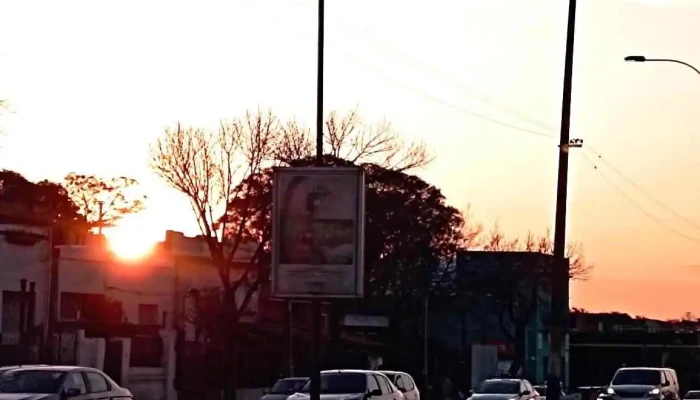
<point>30,262</point>
<point>93,270</point>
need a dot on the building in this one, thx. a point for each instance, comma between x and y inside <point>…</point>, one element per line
<point>476,316</point>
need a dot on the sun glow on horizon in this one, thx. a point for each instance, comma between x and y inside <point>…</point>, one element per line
<point>133,239</point>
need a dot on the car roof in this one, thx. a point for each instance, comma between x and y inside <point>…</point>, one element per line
<point>58,368</point>
<point>505,379</point>
<point>349,371</point>
<point>295,378</point>
<point>642,368</point>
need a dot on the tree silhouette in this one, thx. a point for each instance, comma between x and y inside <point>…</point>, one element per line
<point>220,169</point>
<point>102,201</point>
<point>512,283</point>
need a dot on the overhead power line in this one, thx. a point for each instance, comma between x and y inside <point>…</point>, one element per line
<point>376,41</point>
<point>631,200</point>
<point>436,99</point>
<point>645,192</point>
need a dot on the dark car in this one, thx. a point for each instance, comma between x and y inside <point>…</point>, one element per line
<point>505,389</point>
<point>284,388</point>
<point>59,383</point>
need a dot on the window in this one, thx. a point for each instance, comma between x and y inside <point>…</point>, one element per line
<point>10,311</point>
<point>372,383</point>
<point>148,314</point>
<point>75,380</point>
<point>383,384</point>
<point>400,383</point>
<point>341,383</point>
<point>497,386</point>
<point>408,381</point>
<point>97,382</point>
<point>70,306</point>
<point>637,377</point>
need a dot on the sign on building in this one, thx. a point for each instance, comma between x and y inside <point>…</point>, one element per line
<point>318,232</point>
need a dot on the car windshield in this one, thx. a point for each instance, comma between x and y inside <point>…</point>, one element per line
<point>285,386</point>
<point>340,383</point>
<point>498,387</point>
<point>692,395</point>
<point>637,377</point>
<point>31,381</point>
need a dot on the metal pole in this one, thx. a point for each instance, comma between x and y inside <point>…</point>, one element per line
<point>425,341</point>
<point>315,392</point>
<point>99,218</point>
<point>558,305</point>
<point>290,344</point>
<point>48,304</point>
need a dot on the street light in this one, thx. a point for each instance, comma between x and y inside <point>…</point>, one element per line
<point>644,59</point>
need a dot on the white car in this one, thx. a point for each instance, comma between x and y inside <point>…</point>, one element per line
<point>352,384</point>
<point>405,383</point>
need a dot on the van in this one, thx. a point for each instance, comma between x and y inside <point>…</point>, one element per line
<point>643,383</point>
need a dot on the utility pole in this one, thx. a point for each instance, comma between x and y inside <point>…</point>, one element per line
<point>315,389</point>
<point>100,206</point>
<point>559,282</point>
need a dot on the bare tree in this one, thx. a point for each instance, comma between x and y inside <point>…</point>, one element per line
<point>348,137</point>
<point>207,167</point>
<point>210,167</point>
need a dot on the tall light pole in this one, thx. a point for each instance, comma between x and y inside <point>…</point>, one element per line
<point>559,287</point>
<point>316,334</point>
<point>668,60</point>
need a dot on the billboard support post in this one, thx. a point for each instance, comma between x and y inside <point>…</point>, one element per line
<point>318,239</point>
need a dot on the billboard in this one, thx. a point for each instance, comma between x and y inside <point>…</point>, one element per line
<point>318,232</point>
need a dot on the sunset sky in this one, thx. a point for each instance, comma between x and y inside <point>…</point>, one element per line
<point>91,83</point>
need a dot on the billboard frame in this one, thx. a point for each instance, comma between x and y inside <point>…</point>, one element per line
<point>359,231</point>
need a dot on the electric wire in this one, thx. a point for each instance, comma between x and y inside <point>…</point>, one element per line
<point>645,192</point>
<point>637,205</point>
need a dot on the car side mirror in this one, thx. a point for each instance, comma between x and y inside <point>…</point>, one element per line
<point>525,393</point>
<point>374,393</point>
<point>71,392</point>
<point>667,383</point>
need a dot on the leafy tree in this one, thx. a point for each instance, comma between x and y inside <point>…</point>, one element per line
<point>104,201</point>
<point>215,169</point>
<point>516,282</point>
<point>43,202</point>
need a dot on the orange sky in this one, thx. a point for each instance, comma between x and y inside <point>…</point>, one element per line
<point>91,83</point>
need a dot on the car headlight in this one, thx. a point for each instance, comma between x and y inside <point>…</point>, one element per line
<point>609,391</point>
<point>654,391</point>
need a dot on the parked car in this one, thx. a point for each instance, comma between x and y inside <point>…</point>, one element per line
<point>405,383</point>
<point>505,389</point>
<point>284,388</point>
<point>647,383</point>
<point>59,383</point>
<point>692,395</point>
<point>350,384</point>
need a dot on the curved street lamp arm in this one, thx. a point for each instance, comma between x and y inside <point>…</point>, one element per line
<point>674,61</point>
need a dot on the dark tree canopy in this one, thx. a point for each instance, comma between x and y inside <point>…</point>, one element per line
<point>410,228</point>
<point>42,201</point>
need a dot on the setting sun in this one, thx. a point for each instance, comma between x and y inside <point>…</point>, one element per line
<point>132,238</point>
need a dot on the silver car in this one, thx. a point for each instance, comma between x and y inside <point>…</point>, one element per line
<point>59,383</point>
